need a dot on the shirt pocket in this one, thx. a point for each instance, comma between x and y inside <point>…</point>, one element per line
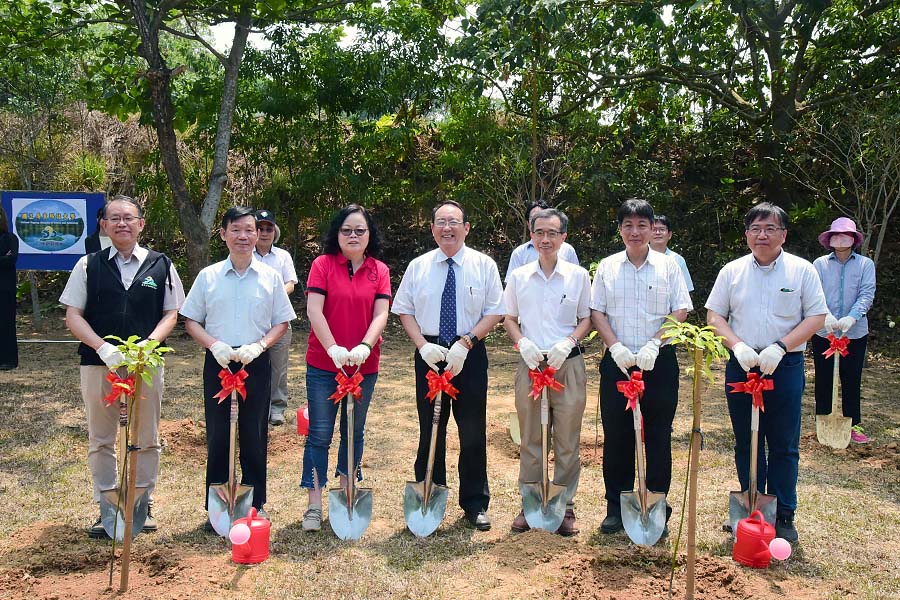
<point>567,308</point>
<point>658,300</point>
<point>787,303</point>
<point>473,300</point>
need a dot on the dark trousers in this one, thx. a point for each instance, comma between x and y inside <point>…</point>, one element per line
<point>470,412</point>
<point>658,409</point>
<point>253,425</point>
<point>9,349</point>
<point>850,368</point>
<point>778,455</point>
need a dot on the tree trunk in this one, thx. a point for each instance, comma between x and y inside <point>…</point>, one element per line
<point>771,153</point>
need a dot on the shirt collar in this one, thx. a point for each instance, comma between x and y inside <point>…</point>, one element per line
<point>139,253</point>
<point>534,268</point>
<point>458,258</point>
<point>342,260</point>
<point>833,256</point>
<point>258,255</point>
<point>254,264</point>
<point>770,267</point>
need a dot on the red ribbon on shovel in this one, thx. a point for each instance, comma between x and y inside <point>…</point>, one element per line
<point>632,389</point>
<point>838,344</point>
<point>232,382</point>
<point>541,379</point>
<point>440,383</point>
<point>347,385</point>
<point>119,386</point>
<point>755,386</point>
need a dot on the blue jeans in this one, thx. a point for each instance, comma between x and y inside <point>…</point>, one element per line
<point>778,457</point>
<point>322,412</point>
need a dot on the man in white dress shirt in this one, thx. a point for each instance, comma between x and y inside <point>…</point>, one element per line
<point>449,299</point>
<point>633,293</point>
<point>548,310</point>
<point>527,252</point>
<point>236,309</point>
<point>279,259</point>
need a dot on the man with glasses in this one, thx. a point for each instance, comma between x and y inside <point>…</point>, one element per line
<point>122,290</point>
<point>528,253</point>
<point>449,299</point>
<point>269,254</point>
<point>633,294</point>
<point>548,308</point>
<point>659,241</point>
<point>766,305</point>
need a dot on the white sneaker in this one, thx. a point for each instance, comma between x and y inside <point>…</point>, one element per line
<point>312,519</point>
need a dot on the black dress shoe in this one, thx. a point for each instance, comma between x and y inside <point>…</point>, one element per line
<point>612,524</point>
<point>479,520</point>
<point>784,528</point>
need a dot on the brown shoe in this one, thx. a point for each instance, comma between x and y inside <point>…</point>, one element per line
<point>568,527</point>
<point>519,524</point>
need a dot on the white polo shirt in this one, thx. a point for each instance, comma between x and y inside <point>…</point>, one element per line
<point>763,304</point>
<point>527,253</point>
<point>238,309</point>
<point>548,308</point>
<point>280,260</point>
<point>636,300</point>
<point>478,289</point>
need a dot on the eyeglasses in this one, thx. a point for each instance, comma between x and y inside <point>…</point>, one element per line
<point>550,234</point>
<point>348,231</point>
<point>446,223</point>
<point>128,220</point>
<point>660,230</point>
<point>770,230</point>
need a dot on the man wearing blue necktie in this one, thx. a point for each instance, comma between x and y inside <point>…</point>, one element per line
<point>448,301</point>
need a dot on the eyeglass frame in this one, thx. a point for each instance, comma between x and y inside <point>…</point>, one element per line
<point>550,234</point>
<point>769,229</point>
<point>349,231</point>
<point>127,219</point>
<point>454,223</point>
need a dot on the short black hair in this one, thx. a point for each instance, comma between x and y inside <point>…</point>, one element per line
<point>237,212</point>
<point>330,244</point>
<point>536,204</point>
<point>451,203</point>
<point>763,210</point>
<point>122,198</point>
<point>635,207</point>
<point>549,213</point>
<point>663,219</point>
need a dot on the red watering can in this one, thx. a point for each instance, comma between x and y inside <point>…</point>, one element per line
<point>303,420</point>
<point>751,545</point>
<point>250,539</point>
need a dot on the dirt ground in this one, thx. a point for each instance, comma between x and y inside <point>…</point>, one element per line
<point>848,518</point>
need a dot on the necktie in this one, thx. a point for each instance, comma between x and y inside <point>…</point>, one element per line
<point>447,324</point>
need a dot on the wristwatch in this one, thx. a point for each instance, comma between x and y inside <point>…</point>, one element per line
<point>656,341</point>
<point>781,345</point>
<point>469,339</point>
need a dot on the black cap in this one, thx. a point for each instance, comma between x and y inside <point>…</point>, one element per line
<point>265,215</point>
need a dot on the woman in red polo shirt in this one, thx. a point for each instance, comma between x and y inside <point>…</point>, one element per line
<point>348,295</point>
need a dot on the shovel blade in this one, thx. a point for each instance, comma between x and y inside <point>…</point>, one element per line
<point>739,508</point>
<point>349,524</point>
<point>423,518</point>
<point>514,434</point>
<point>226,505</point>
<point>547,515</point>
<point>833,430</point>
<point>644,527</point>
<point>113,517</point>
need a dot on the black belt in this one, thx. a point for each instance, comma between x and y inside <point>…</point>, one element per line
<point>436,340</point>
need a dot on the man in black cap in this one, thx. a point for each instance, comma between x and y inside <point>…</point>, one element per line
<point>280,260</point>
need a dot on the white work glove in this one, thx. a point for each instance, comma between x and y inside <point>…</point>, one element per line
<point>745,355</point>
<point>831,323</point>
<point>845,323</point>
<point>339,355</point>
<point>646,356</point>
<point>624,357</point>
<point>432,354</point>
<point>769,359</point>
<point>560,352</point>
<point>531,354</point>
<point>358,355</point>
<point>110,356</point>
<point>456,356</point>
<point>249,352</point>
<point>223,353</point>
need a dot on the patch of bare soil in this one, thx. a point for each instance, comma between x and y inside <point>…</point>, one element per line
<point>872,455</point>
<point>626,575</point>
<point>523,551</point>
<point>184,438</point>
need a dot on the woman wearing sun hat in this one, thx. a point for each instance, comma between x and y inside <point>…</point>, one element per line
<point>848,279</point>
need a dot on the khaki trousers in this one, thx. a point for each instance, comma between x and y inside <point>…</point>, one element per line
<point>103,427</point>
<point>566,411</point>
<point>278,356</point>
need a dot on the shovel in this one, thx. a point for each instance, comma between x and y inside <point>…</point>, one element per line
<point>834,430</point>
<point>350,509</point>
<point>424,502</point>
<point>229,501</point>
<point>643,512</point>
<point>543,502</point>
<point>742,504</point>
<point>112,502</point>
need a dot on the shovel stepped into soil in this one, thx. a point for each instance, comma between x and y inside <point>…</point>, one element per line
<point>229,501</point>
<point>350,508</point>
<point>834,430</point>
